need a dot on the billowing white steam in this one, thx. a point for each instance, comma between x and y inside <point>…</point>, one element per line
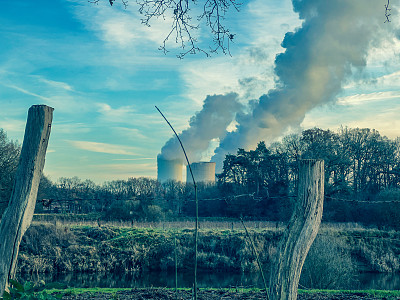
<point>211,122</point>
<point>333,39</point>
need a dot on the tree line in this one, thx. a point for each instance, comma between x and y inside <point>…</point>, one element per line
<point>362,180</point>
<point>362,173</point>
<point>359,163</point>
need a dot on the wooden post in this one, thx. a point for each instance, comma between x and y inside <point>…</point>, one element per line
<point>18,215</point>
<point>300,232</point>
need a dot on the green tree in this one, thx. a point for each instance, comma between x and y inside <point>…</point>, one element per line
<point>323,144</point>
<point>372,159</point>
<point>9,156</point>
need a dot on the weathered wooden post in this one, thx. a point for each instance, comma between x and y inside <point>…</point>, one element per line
<point>18,215</point>
<point>300,232</point>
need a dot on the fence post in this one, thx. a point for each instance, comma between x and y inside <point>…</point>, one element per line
<point>18,215</point>
<point>300,232</point>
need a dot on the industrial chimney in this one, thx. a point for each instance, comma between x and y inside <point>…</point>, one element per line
<point>169,169</point>
<point>202,172</point>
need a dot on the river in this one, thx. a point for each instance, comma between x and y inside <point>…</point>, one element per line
<point>363,281</point>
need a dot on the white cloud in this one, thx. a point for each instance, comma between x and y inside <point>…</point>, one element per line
<point>103,147</point>
<point>133,159</point>
<point>70,127</point>
<point>385,121</point>
<point>54,84</point>
<point>389,80</point>
<point>123,28</point>
<point>56,94</point>
<point>114,113</point>
<point>130,116</point>
<point>70,104</point>
<point>379,111</point>
<point>202,79</point>
<point>24,91</point>
<point>132,133</point>
<point>124,171</point>
<point>359,99</point>
<point>127,167</point>
<point>123,114</point>
<point>117,31</point>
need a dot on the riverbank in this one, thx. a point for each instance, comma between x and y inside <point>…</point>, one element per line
<point>334,258</point>
<point>217,294</point>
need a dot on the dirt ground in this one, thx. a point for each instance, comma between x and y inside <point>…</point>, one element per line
<point>167,294</point>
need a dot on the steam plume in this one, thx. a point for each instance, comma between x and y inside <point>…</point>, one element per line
<point>333,39</point>
<point>211,122</point>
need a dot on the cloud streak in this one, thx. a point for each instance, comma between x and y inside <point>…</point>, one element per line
<point>102,147</point>
<point>26,92</point>
<point>359,99</point>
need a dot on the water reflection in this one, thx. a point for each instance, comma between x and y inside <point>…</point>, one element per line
<point>205,279</point>
<point>379,281</point>
<point>149,279</point>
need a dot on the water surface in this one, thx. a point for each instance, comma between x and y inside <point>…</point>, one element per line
<point>379,281</point>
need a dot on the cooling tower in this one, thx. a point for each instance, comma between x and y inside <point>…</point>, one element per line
<point>169,169</point>
<point>202,172</point>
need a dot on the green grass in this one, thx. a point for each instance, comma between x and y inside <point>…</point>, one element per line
<point>374,293</point>
<point>384,294</point>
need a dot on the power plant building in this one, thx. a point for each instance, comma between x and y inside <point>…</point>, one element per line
<point>169,169</point>
<point>202,172</point>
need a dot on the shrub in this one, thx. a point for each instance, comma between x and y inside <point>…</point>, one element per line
<point>153,213</point>
<point>328,264</point>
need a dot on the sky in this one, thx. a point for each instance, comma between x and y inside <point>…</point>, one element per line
<point>102,72</point>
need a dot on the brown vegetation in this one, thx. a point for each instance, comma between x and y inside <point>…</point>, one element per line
<point>335,253</point>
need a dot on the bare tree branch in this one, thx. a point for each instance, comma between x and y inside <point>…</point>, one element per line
<point>387,11</point>
<point>124,2</point>
<point>184,24</point>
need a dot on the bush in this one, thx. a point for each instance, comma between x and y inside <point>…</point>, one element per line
<point>153,213</point>
<point>328,264</point>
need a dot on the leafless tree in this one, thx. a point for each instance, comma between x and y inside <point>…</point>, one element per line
<point>185,22</point>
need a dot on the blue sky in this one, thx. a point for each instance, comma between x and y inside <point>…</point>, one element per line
<point>101,70</point>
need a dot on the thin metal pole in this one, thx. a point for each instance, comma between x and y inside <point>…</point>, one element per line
<point>196,230</point>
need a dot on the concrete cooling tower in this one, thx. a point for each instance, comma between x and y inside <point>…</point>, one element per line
<point>202,172</point>
<point>169,169</point>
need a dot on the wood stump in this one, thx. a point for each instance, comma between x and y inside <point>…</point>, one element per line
<point>18,215</point>
<point>300,232</point>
